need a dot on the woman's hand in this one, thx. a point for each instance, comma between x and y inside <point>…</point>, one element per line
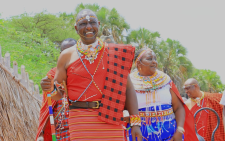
<point>177,136</point>
<point>136,132</point>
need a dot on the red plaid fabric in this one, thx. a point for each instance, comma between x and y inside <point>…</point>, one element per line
<point>62,135</point>
<point>61,116</point>
<point>44,114</point>
<point>213,101</point>
<point>120,58</point>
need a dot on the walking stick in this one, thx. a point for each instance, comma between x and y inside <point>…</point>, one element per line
<point>51,113</point>
<point>200,138</point>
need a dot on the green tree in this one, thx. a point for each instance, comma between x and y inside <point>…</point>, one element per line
<point>208,80</point>
<point>47,25</point>
<point>143,37</point>
<point>38,54</point>
<point>172,60</point>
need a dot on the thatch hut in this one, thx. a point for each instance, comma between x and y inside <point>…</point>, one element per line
<point>19,105</point>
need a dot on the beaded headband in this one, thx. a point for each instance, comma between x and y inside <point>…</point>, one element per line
<point>188,85</point>
<point>141,54</point>
<point>87,17</point>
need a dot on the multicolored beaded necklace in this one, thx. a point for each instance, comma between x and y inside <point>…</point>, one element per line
<point>150,83</point>
<point>91,52</point>
<point>198,100</point>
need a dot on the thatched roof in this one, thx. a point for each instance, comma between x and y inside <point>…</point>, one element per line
<point>19,109</point>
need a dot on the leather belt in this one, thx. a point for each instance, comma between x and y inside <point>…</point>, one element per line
<point>84,104</point>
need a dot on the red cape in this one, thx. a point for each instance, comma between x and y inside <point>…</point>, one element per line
<point>189,134</point>
<point>44,114</point>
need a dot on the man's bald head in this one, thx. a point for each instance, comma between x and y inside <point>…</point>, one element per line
<point>192,88</point>
<point>191,81</point>
<point>87,25</point>
<point>67,43</point>
<point>84,13</point>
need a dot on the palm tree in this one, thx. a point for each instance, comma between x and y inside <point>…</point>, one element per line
<point>209,80</point>
<point>143,37</point>
<point>173,61</point>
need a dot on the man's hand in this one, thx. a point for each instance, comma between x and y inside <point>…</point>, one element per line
<point>40,138</point>
<point>136,132</point>
<point>177,136</point>
<point>47,84</point>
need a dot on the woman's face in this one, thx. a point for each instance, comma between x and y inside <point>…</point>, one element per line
<point>147,65</point>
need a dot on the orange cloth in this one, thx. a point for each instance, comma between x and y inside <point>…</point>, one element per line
<point>44,114</point>
<point>85,126</point>
<point>78,78</point>
<point>207,121</point>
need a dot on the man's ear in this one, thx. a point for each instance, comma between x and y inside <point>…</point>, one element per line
<point>98,22</point>
<point>75,27</point>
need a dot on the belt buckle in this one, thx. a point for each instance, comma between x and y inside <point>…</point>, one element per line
<point>97,105</point>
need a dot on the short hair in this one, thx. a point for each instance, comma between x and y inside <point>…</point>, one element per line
<point>70,41</point>
<point>137,53</point>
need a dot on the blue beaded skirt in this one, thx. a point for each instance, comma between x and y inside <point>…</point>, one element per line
<point>156,128</point>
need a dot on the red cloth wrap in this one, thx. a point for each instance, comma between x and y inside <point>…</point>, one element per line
<point>208,121</point>
<point>189,134</point>
<point>120,58</point>
<point>44,114</point>
<point>78,78</point>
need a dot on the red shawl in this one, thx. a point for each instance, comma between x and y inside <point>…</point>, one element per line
<point>189,134</point>
<point>120,59</point>
<point>44,114</point>
<point>211,100</point>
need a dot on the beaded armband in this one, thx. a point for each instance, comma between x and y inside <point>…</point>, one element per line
<point>57,86</point>
<point>135,120</point>
<point>54,92</point>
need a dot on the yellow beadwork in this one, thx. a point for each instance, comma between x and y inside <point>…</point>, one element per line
<point>198,100</point>
<point>135,120</point>
<point>91,55</point>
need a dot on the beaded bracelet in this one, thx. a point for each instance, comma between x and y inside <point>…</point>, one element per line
<point>54,92</point>
<point>135,120</point>
<point>180,129</point>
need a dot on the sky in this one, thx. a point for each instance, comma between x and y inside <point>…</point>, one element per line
<point>199,25</point>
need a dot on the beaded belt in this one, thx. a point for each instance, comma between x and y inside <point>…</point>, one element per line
<point>158,113</point>
<point>84,104</point>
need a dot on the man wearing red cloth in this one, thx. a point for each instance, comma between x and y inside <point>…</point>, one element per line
<point>98,84</point>
<point>206,121</point>
<point>61,117</point>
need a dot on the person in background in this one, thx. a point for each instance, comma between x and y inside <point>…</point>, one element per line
<point>206,121</point>
<point>60,108</point>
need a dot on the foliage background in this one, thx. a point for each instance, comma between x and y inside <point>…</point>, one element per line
<point>33,40</point>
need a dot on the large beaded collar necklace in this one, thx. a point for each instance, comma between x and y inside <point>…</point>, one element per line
<point>90,51</point>
<point>149,83</point>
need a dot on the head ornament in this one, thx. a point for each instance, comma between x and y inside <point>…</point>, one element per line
<point>141,54</point>
<point>86,17</point>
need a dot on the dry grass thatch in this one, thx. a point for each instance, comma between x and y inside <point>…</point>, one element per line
<point>19,109</point>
